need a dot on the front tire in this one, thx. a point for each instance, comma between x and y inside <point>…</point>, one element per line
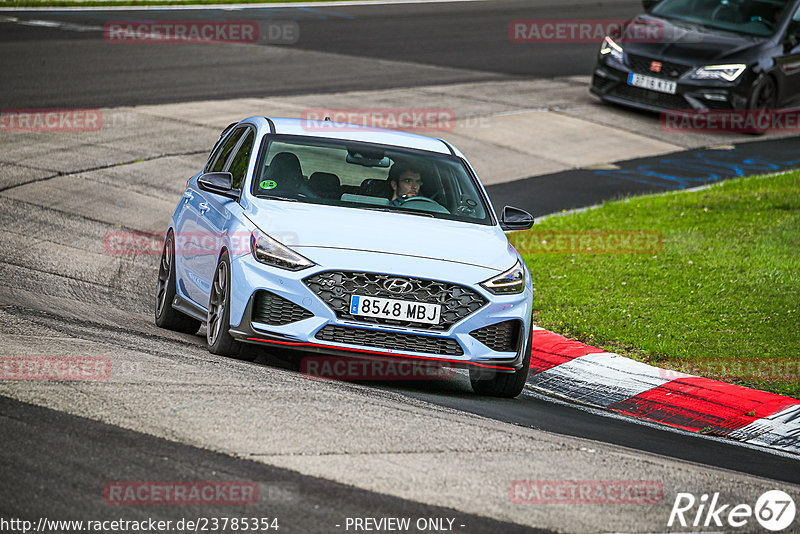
<point>764,95</point>
<point>167,316</point>
<point>218,336</point>
<point>762,102</point>
<point>508,385</point>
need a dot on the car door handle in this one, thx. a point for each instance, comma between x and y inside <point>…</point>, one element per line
<point>203,207</point>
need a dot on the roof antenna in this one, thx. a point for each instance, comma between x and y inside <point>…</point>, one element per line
<point>327,118</point>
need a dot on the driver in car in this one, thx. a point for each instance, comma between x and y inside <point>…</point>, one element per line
<point>405,180</point>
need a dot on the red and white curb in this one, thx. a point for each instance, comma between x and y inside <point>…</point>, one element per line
<point>589,375</point>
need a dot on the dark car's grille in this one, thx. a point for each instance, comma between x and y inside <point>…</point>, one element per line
<point>271,309</point>
<point>390,340</point>
<point>717,104</point>
<point>602,84</point>
<point>641,64</point>
<point>335,288</point>
<point>500,337</point>
<point>653,98</point>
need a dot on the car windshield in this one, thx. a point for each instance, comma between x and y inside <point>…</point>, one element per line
<point>365,176</point>
<point>749,17</point>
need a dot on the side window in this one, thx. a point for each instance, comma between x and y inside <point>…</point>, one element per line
<point>217,146</point>
<point>225,150</point>
<point>238,166</point>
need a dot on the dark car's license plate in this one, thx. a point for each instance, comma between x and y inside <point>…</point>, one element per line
<point>652,83</point>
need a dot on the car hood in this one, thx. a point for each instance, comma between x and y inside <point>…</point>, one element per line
<point>298,224</point>
<point>684,42</point>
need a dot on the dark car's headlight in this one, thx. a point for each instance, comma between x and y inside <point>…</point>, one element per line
<point>267,250</point>
<point>727,73</point>
<point>511,281</point>
<point>611,49</point>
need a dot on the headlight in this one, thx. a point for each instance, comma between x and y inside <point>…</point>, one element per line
<point>612,49</point>
<point>727,73</point>
<point>267,250</point>
<point>511,281</point>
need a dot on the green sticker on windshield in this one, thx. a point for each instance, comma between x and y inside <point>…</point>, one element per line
<point>268,184</point>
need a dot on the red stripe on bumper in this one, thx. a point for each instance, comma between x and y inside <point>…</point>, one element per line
<point>379,353</point>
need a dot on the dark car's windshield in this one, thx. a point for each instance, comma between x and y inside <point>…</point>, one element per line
<point>364,176</point>
<point>749,17</point>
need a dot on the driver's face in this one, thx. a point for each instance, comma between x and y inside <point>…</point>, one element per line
<point>407,185</point>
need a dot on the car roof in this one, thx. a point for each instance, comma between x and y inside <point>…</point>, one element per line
<point>355,132</point>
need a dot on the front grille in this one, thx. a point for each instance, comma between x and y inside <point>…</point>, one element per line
<point>500,337</point>
<point>641,64</point>
<point>335,288</point>
<point>653,98</point>
<point>390,340</point>
<point>271,309</point>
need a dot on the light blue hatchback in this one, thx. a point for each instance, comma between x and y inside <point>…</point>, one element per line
<point>348,240</point>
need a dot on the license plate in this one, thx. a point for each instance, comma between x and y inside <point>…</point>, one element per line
<point>654,84</point>
<point>401,310</point>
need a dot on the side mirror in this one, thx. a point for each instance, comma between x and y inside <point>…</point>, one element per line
<point>648,4</point>
<point>220,183</point>
<point>515,219</point>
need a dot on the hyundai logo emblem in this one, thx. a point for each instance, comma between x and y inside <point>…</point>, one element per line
<point>397,285</point>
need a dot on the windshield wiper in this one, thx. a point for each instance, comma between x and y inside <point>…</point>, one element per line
<point>276,197</point>
<point>409,212</point>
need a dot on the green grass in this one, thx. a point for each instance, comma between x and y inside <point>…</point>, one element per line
<point>107,3</point>
<point>721,299</point>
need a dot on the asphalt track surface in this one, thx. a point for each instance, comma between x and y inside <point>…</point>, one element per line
<point>35,438</point>
<point>49,67</point>
<point>579,188</point>
<point>424,43</point>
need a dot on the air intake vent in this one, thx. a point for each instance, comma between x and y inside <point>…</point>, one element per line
<point>269,308</point>
<point>500,337</point>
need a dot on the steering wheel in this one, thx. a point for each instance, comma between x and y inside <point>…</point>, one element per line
<point>724,13</point>
<point>435,196</point>
<point>418,197</point>
<point>426,201</point>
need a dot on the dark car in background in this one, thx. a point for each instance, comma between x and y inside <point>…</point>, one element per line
<point>698,55</point>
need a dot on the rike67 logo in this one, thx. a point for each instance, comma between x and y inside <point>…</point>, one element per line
<point>774,511</point>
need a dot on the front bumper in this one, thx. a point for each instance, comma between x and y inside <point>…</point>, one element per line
<point>296,317</point>
<point>610,83</point>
